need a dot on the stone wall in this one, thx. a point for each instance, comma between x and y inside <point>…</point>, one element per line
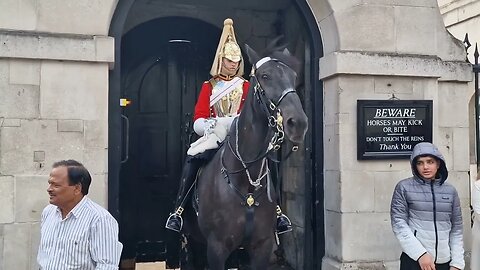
<point>54,60</point>
<point>381,49</point>
<point>53,106</point>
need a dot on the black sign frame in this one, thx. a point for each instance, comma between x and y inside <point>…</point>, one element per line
<point>379,145</point>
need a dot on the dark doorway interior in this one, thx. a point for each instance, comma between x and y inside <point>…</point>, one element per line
<point>162,79</point>
<point>164,63</point>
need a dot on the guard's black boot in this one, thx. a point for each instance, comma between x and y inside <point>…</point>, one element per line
<point>190,168</point>
<point>283,222</point>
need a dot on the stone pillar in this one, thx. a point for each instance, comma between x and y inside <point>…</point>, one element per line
<point>377,50</point>
<point>54,61</point>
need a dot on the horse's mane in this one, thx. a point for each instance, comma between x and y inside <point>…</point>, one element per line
<point>278,52</point>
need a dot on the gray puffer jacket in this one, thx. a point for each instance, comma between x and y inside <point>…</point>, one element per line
<point>426,215</point>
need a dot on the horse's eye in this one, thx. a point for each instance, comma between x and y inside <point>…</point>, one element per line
<point>265,77</point>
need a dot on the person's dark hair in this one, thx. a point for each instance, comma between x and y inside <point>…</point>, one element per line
<point>77,173</point>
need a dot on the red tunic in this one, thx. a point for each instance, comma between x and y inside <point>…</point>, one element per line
<point>203,109</point>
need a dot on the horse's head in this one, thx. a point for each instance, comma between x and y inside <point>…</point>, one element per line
<point>274,75</point>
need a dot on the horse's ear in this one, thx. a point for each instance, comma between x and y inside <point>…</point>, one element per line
<point>286,52</point>
<point>252,55</point>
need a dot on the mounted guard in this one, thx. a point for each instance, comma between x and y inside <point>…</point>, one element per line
<point>220,101</point>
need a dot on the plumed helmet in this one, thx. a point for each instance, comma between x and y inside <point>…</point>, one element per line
<point>228,48</point>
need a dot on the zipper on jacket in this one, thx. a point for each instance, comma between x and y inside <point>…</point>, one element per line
<point>434,220</point>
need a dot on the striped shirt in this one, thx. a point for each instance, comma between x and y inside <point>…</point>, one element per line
<point>86,239</point>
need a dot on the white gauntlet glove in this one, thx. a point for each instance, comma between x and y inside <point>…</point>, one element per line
<point>204,126</point>
<point>225,121</point>
<point>212,133</point>
<point>201,125</point>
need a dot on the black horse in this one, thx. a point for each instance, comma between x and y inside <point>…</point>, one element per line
<point>236,199</point>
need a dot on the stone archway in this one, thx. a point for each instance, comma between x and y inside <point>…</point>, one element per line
<point>127,17</point>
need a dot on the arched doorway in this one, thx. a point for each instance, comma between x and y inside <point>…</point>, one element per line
<point>148,178</point>
<point>160,79</point>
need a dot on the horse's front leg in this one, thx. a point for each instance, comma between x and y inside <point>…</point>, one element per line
<point>260,252</point>
<point>217,254</point>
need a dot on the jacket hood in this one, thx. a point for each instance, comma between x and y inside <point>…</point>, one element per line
<point>428,149</point>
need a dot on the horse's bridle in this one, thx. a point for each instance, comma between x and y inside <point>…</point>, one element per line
<point>275,119</point>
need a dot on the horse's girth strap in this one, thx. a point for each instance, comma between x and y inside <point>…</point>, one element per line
<point>249,222</point>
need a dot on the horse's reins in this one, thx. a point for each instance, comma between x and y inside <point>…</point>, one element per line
<point>275,121</point>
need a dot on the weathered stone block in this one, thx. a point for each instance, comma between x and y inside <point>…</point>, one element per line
<point>443,138</point>
<point>368,63</point>
<point>353,88</point>
<point>338,6</point>
<point>9,122</point>
<point>2,237</point>
<point>348,128</point>
<point>331,264</point>
<point>96,134</point>
<point>39,156</point>
<point>70,126</point>
<point>328,28</point>
<point>30,197</point>
<point>96,160</point>
<point>104,49</point>
<point>416,3</point>
<point>18,145</point>
<point>452,95</point>
<point>449,44</point>
<point>392,265</point>
<point>83,88</point>
<point>7,188</point>
<point>35,243</point>
<point>460,180</point>
<point>25,72</point>
<point>19,101</point>
<point>424,88</point>
<point>330,96</point>
<point>393,85</point>
<point>331,147</point>
<point>16,241</point>
<point>18,14</point>
<point>91,18</point>
<point>415,29</point>
<point>352,34</point>
<point>461,149</point>
<point>99,189</point>
<point>385,183</point>
<point>333,232</point>
<point>321,9</point>
<point>370,239</point>
<point>357,191</point>
<point>332,191</point>
<point>4,70</point>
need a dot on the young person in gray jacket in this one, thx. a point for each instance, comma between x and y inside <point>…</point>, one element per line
<point>426,216</point>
